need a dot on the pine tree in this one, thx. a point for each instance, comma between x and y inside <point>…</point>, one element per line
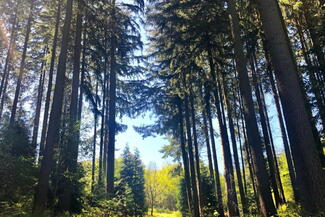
<point>132,174</point>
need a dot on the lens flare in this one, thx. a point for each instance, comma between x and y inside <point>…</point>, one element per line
<point>4,34</point>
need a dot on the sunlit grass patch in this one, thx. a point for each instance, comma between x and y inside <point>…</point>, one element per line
<point>164,213</point>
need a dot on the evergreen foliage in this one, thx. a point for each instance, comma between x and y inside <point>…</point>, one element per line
<point>238,82</point>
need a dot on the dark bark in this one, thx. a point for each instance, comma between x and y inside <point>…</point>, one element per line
<point>228,164</point>
<point>196,205</point>
<point>309,11</point>
<point>254,141</point>
<point>112,110</point>
<point>70,155</point>
<point>185,157</point>
<point>310,177</point>
<point>242,158</point>
<point>196,147</point>
<point>278,178</point>
<point>285,139</point>
<point>106,141</point>
<point>214,152</point>
<point>234,145</point>
<point>38,104</point>
<point>50,79</point>
<point>40,200</point>
<point>266,136</point>
<point>82,77</point>
<point>102,131</point>
<point>93,166</point>
<point>206,135</point>
<point>316,88</point>
<point>229,173</point>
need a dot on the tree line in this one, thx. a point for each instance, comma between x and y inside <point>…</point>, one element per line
<point>70,69</point>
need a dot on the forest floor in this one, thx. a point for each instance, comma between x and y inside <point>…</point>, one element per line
<point>164,213</point>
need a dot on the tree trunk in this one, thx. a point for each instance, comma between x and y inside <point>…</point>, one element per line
<point>310,177</point>
<point>309,13</point>
<point>242,157</point>
<point>196,205</point>
<point>246,147</point>
<point>38,103</point>
<point>185,157</point>
<point>206,134</point>
<point>112,110</point>
<point>285,140</point>
<point>254,140</point>
<point>229,174</point>
<point>82,78</point>
<point>234,145</point>
<point>106,141</point>
<point>102,130</point>
<point>228,164</point>
<point>278,177</point>
<point>9,54</point>
<point>93,166</point>
<point>214,152</point>
<point>7,67</point>
<point>40,200</point>
<point>196,147</point>
<point>22,64</point>
<point>49,86</point>
<point>315,86</point>
<point>70,155</point>
<point>266,136</point>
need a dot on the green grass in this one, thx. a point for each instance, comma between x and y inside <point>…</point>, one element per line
<point>164,213</point>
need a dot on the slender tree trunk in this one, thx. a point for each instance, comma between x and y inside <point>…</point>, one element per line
<point>242,158</point>
<point>93,166</point>
<point>310,177</point>
<point>228,165</point>
<point>9,54</point>
<point>206,135</point>
<point>38,104</point>
<point>40,200</point>
<point>22,64</point>
<point>214,152</point>
<point>49,86</point>
<point>234,145</point>
<point>3,97</point>
<point>8,66</point>
<point>309,13</point>
<point>246,146</point>
<point>254,140</point>
<point>112,110</point>
<point>82,78</point>
<point>278,177</point>
<point>106,141</point>
<point>102,131</point>
<point>270,159</point>
<point>315,86</point>
<point>196,205</point>
<point>70,156</point>
<point>196,147</point>
<point>285,139</point>
<point>185,157</point>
